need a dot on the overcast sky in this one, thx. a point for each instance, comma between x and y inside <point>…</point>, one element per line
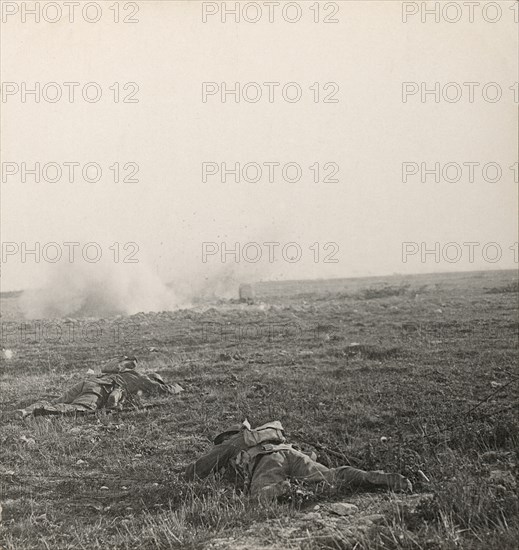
<point>170,132</point>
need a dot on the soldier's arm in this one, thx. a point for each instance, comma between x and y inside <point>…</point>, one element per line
<point>149,383</point>
<point>71,394</point>
<point>217,458</point>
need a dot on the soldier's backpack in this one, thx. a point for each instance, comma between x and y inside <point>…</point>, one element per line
<point>271,432</point>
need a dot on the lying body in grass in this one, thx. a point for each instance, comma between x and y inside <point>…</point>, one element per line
<point>267,464</point>
<point>119,385</point>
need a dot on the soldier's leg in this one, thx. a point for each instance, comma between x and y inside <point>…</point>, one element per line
<point>83,396</point>
<point>72,393</point>
<point>302,467</point>
<point>90,397</point>
<point>269,480</point>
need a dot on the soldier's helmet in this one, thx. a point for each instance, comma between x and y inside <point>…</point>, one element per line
<point>119,364</point>
<point>128,363</point>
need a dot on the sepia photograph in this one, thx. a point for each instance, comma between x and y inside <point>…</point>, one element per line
<point>259,282</point>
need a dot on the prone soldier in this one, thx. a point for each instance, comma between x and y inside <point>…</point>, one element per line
<point>118,384</point>
<point>267,463</point>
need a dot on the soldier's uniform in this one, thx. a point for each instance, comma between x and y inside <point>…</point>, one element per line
<point>267,464</point>
<point>119,383</point>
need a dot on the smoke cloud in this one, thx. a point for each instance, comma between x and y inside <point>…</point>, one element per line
<point>98,290</point>
<point>108,289</point>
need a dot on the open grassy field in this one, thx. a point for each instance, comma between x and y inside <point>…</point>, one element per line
<point>434,372</point>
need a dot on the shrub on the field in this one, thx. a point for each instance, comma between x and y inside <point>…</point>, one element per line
<point>512,286</point>
<point>385,291</point>
<point>376,353</point>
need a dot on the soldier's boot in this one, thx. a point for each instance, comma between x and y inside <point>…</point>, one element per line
<point>353,477</point>
<point>394,482</point>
